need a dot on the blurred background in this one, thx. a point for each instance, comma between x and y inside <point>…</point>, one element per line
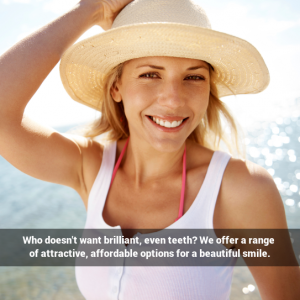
<point>271,122</point>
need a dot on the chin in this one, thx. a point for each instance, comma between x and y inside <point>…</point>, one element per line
<point>167,145</point>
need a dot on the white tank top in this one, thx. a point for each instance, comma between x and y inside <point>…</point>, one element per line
<point>159,283</point>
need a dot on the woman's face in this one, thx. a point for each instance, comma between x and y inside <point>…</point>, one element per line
<point>164,99</point>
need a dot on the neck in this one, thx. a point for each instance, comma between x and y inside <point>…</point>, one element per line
<point>144,163</point>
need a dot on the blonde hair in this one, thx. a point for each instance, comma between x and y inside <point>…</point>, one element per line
<point>216,130</point>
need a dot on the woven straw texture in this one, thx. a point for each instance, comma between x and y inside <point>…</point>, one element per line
<point>176,28</point>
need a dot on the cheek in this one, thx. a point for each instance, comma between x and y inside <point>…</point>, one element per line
<point>135,100</point>
<point>199,101</point>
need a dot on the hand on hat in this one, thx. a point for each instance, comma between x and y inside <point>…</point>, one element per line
<point>107,10</point>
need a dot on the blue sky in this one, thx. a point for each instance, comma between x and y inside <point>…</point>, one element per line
<point>273,27</point>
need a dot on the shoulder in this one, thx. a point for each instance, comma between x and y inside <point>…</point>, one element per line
<point>91,151</point>
<point>249,198</point>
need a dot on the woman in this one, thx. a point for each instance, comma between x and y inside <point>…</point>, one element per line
<point>152,85</point>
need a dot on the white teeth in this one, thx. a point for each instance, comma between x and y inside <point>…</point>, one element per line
<point>167,124</point>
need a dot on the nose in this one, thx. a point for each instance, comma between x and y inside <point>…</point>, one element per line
<point>172,94</point>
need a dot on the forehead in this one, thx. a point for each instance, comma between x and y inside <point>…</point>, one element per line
<point>165,62</point>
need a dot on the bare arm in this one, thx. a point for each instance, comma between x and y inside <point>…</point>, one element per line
<point>34,149</point>
<point>249,199</point>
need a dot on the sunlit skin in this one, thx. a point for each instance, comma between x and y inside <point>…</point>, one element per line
<point>168,88</point>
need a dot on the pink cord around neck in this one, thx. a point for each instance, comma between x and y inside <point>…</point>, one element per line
<point>119,162</point>
<point>180,213</point>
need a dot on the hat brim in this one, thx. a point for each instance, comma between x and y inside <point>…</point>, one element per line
<point>239,67</point>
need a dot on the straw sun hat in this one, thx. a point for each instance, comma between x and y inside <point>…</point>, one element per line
<point>178,28</point>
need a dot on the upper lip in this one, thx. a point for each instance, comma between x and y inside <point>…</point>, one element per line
<point>168,118</point>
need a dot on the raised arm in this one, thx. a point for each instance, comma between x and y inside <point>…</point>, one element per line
<point>34,149</point>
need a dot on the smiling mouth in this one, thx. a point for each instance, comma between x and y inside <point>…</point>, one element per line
<point>167,124</point>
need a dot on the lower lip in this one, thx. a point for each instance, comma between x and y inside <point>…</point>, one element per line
<point>165,129</point>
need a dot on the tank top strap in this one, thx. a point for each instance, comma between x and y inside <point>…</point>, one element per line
<point>101,185</point>
<point>212,183</point>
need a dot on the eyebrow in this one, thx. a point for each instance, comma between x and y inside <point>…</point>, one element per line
<point>151,66</point>
<point>162,68</point>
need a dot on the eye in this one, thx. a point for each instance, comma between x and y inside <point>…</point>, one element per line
<point>149,75</point>
<point>194,77</point>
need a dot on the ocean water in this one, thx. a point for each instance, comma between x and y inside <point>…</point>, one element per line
<point>26,202</point>
<point>276,146</point>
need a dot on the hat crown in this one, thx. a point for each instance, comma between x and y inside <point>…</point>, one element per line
<point>174,28</point>
<point>170,11</point>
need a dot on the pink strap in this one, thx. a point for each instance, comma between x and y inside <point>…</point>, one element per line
<point>180,213</point>
<point>118,162</point>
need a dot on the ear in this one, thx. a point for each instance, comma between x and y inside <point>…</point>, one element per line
<point>115,93</point>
